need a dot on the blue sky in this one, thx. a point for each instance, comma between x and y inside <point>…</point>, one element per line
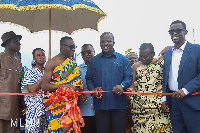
<point>132,22</point>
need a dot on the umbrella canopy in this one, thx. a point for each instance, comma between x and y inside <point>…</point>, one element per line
<point>60,15</point>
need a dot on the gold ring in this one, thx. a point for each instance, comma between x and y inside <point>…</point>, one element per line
<point>117,92</point>
<point>179,96</point>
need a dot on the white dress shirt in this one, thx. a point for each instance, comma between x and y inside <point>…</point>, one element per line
<point>174,68</point>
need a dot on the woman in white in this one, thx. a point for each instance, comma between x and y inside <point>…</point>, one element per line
<point>36,121</point>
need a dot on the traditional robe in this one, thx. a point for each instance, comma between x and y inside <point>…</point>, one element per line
<point>65,73</point>
<point>147,113</point>
<point>10,71</point>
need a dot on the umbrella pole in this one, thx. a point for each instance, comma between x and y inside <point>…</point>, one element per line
<point>49,57</point>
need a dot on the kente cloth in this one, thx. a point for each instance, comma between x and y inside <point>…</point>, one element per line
<point>147,112</point>
<point>10,71</point>
<point>35,110</point>
<point>65,73</point>
<point>129,121</point>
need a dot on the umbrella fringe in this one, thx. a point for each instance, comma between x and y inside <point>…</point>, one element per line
<point>56,31</point>
<point>50,6</point>
<point>89,28</point>
<point>18,25</point>
<point>55,6</point>
<point>99,21</point>
<point>83,29</point>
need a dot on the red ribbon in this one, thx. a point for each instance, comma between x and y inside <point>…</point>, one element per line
<point>73,112</point>
<point>22,93</point>
<point>133,93</point>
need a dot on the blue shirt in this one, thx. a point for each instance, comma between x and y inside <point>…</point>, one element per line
<point>106,72</point>
<point>87,108</point>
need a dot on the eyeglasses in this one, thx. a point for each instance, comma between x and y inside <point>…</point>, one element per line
<point>87,51</point>
<point>71,46</point>
<point>176,30</point>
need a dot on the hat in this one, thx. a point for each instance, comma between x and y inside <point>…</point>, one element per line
<point>7,36</point>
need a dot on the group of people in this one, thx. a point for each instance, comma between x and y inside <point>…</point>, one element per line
<point>176,71</point>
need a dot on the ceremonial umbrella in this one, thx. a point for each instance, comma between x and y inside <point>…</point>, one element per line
<point>60,15</point>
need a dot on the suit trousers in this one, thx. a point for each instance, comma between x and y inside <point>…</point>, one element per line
<point>183,118</point>
<point>111,121</point>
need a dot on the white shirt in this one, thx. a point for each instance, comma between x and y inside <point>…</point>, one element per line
<point>174,68</point>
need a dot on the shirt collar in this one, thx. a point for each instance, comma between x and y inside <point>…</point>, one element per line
<point>181,48</point>
<point>83,65</point>
<point>114,54</point>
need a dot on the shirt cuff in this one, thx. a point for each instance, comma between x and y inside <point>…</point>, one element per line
<point>185,91</point>
<point>164,99</point>
<point>122,86</point>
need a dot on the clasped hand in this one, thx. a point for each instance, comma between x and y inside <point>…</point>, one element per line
<point>118,89</point>
<point>97,94</point>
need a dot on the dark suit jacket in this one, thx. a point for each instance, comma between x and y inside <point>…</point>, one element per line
<point>188,74</point>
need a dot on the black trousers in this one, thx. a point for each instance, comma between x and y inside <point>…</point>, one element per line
<point>111,121</point>
<point>90,125</point>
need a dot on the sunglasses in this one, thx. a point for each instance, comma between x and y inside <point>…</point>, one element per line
<point>71,46</point>
<point>177,31</point>
<point>87,51</point>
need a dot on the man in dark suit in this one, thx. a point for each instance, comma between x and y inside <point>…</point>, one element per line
<point>182,76</point>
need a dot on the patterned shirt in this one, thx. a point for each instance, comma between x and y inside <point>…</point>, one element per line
<point>34,105</point>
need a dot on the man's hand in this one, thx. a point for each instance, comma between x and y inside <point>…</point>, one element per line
<point>97,93</point>
<point>118,89</point>
<point>165,107</point>
<point>82,98</point>
<point>180,94</point>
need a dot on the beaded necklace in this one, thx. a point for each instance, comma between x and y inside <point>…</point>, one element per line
<point>159,59</point>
